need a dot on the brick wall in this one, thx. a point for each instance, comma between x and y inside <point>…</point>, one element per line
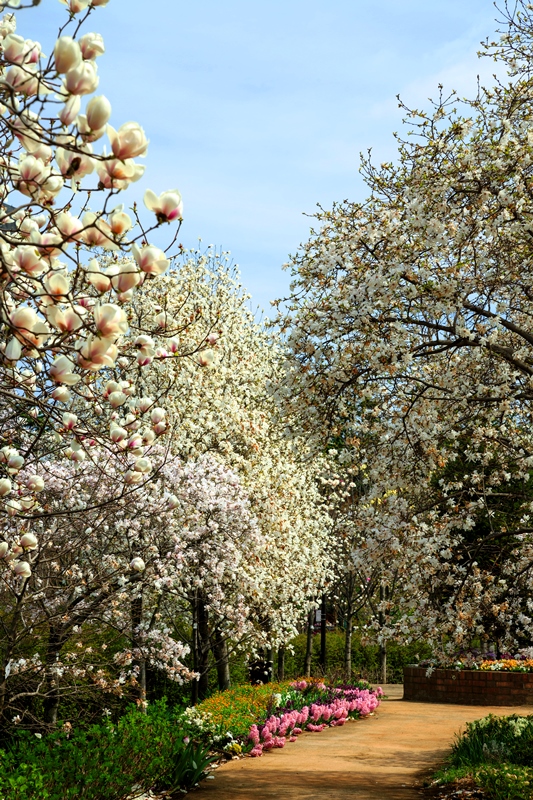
<point>468,687</point>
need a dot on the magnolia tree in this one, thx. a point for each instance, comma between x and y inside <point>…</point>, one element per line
<point>226,409</point>
<point>68,277</point>
<point>409,327</point>
<point>72,261</point>
<point>221,530</point>
<point>107,582</point>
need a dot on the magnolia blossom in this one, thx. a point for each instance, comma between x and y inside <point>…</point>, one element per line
<point>150,259</point>
<point>128,142</point>
<point>206,358</point>
<point>98,112</point>
<point>70,110</point>
<point>92,45</point>
<point>35,483</point>
<point>28,541</point>
<point>124,275</point>
<point>118,174</point>
<point>67,54</point>
<point>97,353</point>
<point>82,79</point>
<point>73,164</point>
<point>75,6</point>
<point>96,231</point>
<point>167,207</point>
<point>110,320</point>
<point>62,371</point>
<point>120,222</point>
<point>22,569</point>
<point>17,50</point>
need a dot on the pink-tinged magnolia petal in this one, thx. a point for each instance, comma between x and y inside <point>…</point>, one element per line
<point>70,110</point>
<point>129,141</point>
<point>110,320</point>
<point>82,79</point>
<point>62,371</point>
<point>67,54</point>
<point>92,45</point>
<point>28,541</point>
<point>13,349</point>
<point>150,259</point>
<point>167,207</point>
<point>22,569</point>
<point>98,112</point>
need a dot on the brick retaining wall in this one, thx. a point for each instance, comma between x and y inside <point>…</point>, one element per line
<point>468,687</point>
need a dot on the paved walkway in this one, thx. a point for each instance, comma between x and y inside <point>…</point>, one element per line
<point>378,758</point>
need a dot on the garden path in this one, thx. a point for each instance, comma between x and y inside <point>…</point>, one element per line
<point>379,758</point>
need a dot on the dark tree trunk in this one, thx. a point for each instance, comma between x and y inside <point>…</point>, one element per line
<point>323,635</point>
<point>204,647</point>
<point>194,648</point>
<point>281,663</point>
<point>51,701</point>
<point>348,647</point>
<point>383,595</point>
<point>269,662</point>
<point>309,643</point>
<point>220,650</point>
<point>136,620</point>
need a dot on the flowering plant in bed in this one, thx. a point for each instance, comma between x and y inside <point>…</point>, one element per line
<point>258,718</point>
<point>474,659</point>
<point>312,706</point>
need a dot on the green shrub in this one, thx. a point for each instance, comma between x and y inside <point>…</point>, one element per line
<point>104,761</point>
<point>496,740</point>
<point>365,658</point>
<point>497,753</point>
<point>506,782</point>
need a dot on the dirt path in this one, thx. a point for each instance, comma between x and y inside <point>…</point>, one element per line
<point>379,758</point>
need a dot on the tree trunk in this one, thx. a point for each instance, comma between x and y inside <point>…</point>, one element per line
<point>383,662</point>
<point>383,595</point>
<point>309,643</point>
<point>220,650</point>
<point>269,662</point>
<point>194,647</point>
<point>51,700</point>
<point>323,630</point>
<point>348,646</point>
<point>203,649</point>
<point>281,663</point>
<point>136,620</point>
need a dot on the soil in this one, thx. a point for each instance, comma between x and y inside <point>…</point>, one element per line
<point>388,756</point>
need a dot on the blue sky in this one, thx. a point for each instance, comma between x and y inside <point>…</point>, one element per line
<point>258,111</point>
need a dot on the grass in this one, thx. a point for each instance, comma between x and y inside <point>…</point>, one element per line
<point>497,754</point>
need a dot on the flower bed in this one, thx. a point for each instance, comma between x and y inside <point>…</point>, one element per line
<point>256,719</point>
<point>312,707</point>
<point>494,753</point>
